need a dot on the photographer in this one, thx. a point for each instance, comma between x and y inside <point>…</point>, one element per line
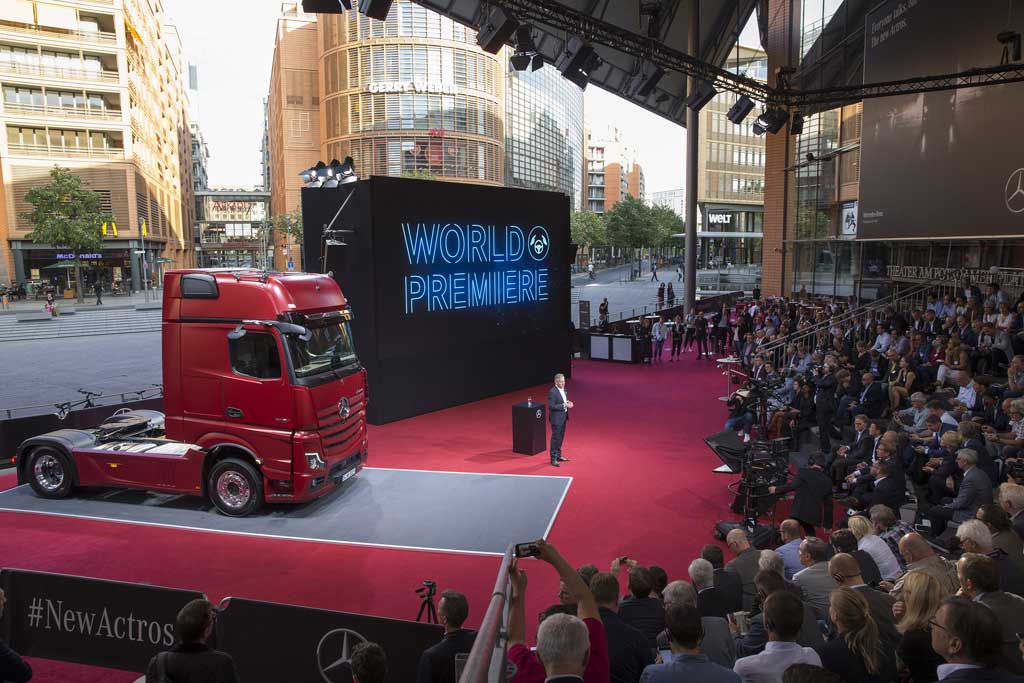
<point>824,404</point>
<point>812,488</point>
<point>557,658</point>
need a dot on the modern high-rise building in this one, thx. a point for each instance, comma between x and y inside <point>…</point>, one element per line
<point>672,199</point>
<point>613,171</point>
<point>98,88</point>
<point>730,181</point>
<point>413,95</point>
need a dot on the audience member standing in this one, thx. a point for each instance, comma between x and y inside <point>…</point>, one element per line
<point>701,335</point>
<point>558,415</point>
<point>639,609</point>
<point>744,565</point>
<point>727,582</point>
<point>812,491</point>
<point>783,617</point>
<point>437,663</point>
<point>659,332</point>
<point>677,338</point>
<point>711,602</point>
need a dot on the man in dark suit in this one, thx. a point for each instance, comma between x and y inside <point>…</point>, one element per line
<point>872,398</point>
<point>888,489</point>
<point>968,636</point>
<point>727,583</point>
<point>744,565</point>
<point>975,491</point>
<point>628,651</point>
<point>812,490</point>
<point>980,582</point>
<point>12,667</point>
<point>558,414</point>
<point>866,435</point>
<point>711,601</point>
<point>846,571</point>
<point>192,659</point>
<point>437,663</point>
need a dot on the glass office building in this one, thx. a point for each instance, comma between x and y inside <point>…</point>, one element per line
<point>415,95</point>
<point>544,133</point>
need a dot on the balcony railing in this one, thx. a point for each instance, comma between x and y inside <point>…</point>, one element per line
<point>65,152</point>
<point>62,112</point>
<point>97,37</point>
<point>59,74</point>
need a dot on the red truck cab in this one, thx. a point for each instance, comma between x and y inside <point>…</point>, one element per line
<point>261,367</point>
<point>264,400</point>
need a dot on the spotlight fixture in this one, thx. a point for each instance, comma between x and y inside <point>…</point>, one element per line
<point>577,61</point>
<point>375,9</point>
<point>771,121</point>
<point>326,6</point>
<point>496,31</point>
<point>739,111</point>
<point>796,126</point>
<point>525,49</point>
<point>537,63</point>
<point>330,175</point>
<point>644,82</point>
<point>700,96</point>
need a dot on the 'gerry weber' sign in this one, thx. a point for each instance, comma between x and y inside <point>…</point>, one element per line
<point>413,86</point>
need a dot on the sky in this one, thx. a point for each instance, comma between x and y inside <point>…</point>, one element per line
<point>233,51</point>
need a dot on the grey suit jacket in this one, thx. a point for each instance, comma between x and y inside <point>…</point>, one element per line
<point>745,565</point>
<point>817,583</point>
<point>1009,609</point>
<point>975,491</point>
<point>717,644</point>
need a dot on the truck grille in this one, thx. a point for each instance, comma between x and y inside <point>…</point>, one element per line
<point>339,435</point>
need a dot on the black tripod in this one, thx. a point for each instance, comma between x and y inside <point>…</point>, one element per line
<point>427,592</point>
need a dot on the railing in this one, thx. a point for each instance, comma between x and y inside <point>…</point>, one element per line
<point>486,663</point>
<point>71,152</point>
<point>62,112</point>
<point>901,301</point>
<point>91,401</point>
<point>100,37</point>
<point>59,74</point>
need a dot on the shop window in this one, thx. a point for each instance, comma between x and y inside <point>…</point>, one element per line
<point>255,355</point>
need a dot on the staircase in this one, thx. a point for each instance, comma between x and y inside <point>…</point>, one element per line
<point>81,324</point>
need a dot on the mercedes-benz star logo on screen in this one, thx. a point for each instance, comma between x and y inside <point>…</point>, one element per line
<point>343,408</point>
<point>1015,191</point>
<point>334,654</point>
<point>539,243</point>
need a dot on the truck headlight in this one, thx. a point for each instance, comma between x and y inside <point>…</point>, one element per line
<point>315,461</point>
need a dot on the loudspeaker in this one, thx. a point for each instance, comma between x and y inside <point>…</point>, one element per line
<point>700,96</point>
<point>375,9</point>
<point>577,60</point>
<point>729,448</point>
<point>326,6</point>
<point>642,84</point>
<point>496,31</point>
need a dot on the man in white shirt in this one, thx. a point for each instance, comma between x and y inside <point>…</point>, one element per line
<point>882,341</point>
<point>783,617</point>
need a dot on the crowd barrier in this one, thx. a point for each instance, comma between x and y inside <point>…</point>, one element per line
<point>709,304</point>
<point>120,625</point>
<point>16,429</point>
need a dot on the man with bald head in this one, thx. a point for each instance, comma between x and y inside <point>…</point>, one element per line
<point>921,557</point>
<point>744,565</point>
<point>846,572</point>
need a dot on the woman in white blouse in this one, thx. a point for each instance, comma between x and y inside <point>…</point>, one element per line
<point>879,550</point>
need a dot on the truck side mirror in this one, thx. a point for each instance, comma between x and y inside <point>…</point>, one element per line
<point>236,333</point>
<point>303,333</point>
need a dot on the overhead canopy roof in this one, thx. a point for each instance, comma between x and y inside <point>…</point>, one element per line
<point>720,23</point>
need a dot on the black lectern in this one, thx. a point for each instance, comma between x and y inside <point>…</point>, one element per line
<point>529,430</point>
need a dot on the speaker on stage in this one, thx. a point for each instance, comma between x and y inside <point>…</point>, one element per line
<point>728,446</point>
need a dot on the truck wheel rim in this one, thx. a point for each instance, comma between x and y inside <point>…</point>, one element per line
<point>49,472</point>
<point>233,490</point>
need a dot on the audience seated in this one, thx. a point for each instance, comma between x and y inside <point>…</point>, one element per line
<point>923,596</point>
<point>628,649</point>
<point>844,570</point>
<point>717,642</point>
<point>727,582</point>
<point>369,664</point>
<point>711,601</point>
<point>753,640</point>
<point>843,541</point>
<point>1003,536</point>
<point>856,653</point>
<point>686,663</point>
<point>968,636</point>
<point>975,537</point>
<point>815,579</point>
<point>790,532</point>
<point>879,550</point>
<point>979,579</point>
<point>890,528</point>
<point>919,556</point>
<point>783,618</point>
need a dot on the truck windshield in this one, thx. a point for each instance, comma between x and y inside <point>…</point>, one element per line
<point>330,347</point>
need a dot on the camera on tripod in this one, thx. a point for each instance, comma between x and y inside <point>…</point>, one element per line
<point>427,592</point>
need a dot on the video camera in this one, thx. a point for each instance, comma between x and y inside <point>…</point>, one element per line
<point>430,587</point>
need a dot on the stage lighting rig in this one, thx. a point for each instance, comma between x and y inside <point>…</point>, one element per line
<point>526,50</point>
<point>1010,40</point>
<point>326,6</point>
<point>740,110</point>
<point>796,126</point>
<point>701,95</point>
<point>496,30</point>
<point>770,121</point>
<point>644,82</point>
<point>375,9</point>
<point>330,175</point>
<point>577,61</point>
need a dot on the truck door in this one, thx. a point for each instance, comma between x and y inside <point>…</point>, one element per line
<point>256,392</point>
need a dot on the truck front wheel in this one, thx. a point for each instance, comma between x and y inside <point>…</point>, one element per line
<point>50,473</point>
<point>235,487</point>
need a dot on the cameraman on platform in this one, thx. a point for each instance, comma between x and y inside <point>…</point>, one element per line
<point>812,488</point>
<point>825,402</point>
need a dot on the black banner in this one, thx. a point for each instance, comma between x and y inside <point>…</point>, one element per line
<point>584,313</point>
<point>89,621</point>
<point>15,430</point>
<point>272,642</point>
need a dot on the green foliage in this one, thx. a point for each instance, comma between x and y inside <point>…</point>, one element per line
<point>66,215</point>
<point>289,225</point>
<point>588,229</point>
<point>668,223</point>
<point>631,223</point>
<point>419,174</point>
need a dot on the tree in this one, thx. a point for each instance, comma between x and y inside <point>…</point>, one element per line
<point>588,229</point>
<point>419,174</point>
<point>289,226</point>
<point>65,215</point>
<point>667,223</point>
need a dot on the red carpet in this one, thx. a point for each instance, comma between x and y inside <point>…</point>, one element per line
<point>642,486</point>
